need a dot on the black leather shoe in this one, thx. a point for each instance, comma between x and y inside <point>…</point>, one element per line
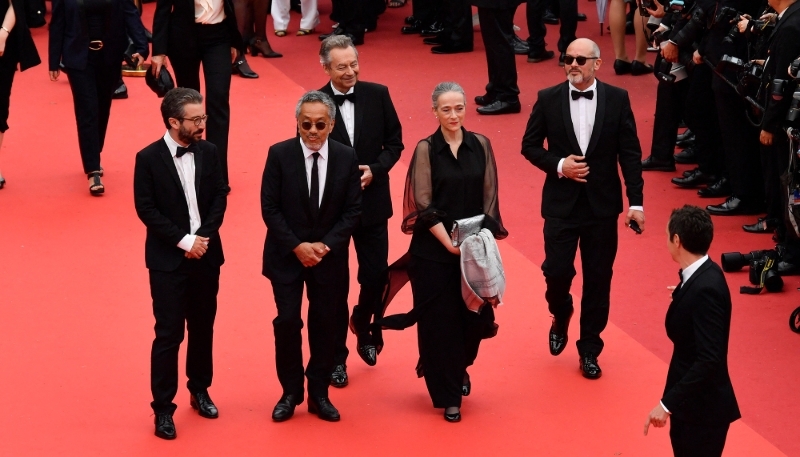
<point>683,139</point>
<point>687,156</point>
<point>558,335</point>
<point>432,30</point>
<point>409,20</point>
<point>621,67</point>
<point>640,68</point>
<point>561,59</point>
<point>242,68</point>
<point>763,225</point>
<point>693,180</point>
<point>413,28</point>
<point>541,56</point>
<point>686,173</point>
<point>653,164</point>
<point>466,386</point>
<point>500,107</point>
<point>581,17</point>
<point>322,407</point>
<point>720,188</point>
<point>120,92</point>
<point>368,353</point>
<point>165,427</point>
<point>433,40</point>
<point>550,18</point>
<point>284,410</point>
<point>483,100</point>
<point>589,367</point>
<point>201,402</point>
<point>452,417</point>
<point>734,206</point>
<point>520,46</point>
<point>788,269</point>
<point>448,48</point>
<point>339,376</point>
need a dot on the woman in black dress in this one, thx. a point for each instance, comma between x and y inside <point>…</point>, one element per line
<point>16,49</point>
<point>452,176</point>
<point>88,39</point>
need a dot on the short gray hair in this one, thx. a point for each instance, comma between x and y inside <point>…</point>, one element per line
<point>444,87</point>
<point>334,42</point>
<point>316,96</point>
<point>174,102</point>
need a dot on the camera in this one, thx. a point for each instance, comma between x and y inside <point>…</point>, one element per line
<point>794,68</point>
<point>793,115</point>
<point>644,5</point>
<point>674,72</point>
<point>762,272</point>
<point>735,261</point>
<point>690,32</point>
<point>748,74</point>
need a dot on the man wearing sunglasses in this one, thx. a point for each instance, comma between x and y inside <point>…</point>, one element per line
<point>590,131</point>
<point>310,202</point>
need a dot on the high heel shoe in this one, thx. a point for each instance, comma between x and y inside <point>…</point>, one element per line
<point>621,67</point>
<point>259,45</point>
<point>304,32</point>
<point>242,68</point>
<point>96,187</point>
<point>640,68</point>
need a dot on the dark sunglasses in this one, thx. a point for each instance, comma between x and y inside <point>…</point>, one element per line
<point>580,59</point>
<point>306,125</point>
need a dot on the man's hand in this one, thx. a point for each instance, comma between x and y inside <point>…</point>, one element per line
<point>156,62</point>
<point>366,175</point>
<point>636,215</point>
<point>306,254</point>
<point>766,138</point>
<point>234,53</point>
<point>199,247</point>
<point>54,75</point>
<point>697,58</point>
<point>658,12</point>
<point>742,25</point>
<point>575,168</point>
<point>669,51</point>
<point>657,418</point>
<point>137,59</point>
<point>189,255</point>
<point>320,249</point>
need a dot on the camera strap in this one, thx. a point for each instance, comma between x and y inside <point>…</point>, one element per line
<point>757,290</point>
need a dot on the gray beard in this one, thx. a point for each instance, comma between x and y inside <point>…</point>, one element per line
<point>575,79</point>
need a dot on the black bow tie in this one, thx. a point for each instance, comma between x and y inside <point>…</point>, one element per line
<point>181,150</point>
<point>341,98</point>
<point>589,94</point>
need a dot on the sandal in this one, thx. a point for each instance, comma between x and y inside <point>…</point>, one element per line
<point>280,33</point>
<point>396,3</point>
<point>96,187</point>
<point>304,32</point>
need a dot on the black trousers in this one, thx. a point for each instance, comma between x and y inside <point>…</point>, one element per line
<point>457,23</point>
<point>497,30</point>
<point>670,104</point>
<point>8,68</point>
<point>701,117</point>
<point>567,12</point>
<point>354,16</point>
<point>774,163</point>
<point>697,440</point>
<point>323,302</point>
<point>597,239</point>
<point>187,296</point>
<point>449,334</point>
<point>372,250</point>
<point>214,52</point>
<point>92,89</point>
<point>427,11</point>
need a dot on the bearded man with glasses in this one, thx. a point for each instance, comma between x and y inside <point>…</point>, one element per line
<point>590,131</point>
<point>311,203</point>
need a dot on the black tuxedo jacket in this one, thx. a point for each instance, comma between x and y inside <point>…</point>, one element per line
<point>613,141</point>
<point>698,322</point>
<point>496,4</point>
<point>161,204</point>
<point>783,47</point>
<point>285,207</point>
<point>174,32</point>
<point>378,143</point>
<point>69,36</point>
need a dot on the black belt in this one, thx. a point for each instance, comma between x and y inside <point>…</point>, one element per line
<point>95,45</point>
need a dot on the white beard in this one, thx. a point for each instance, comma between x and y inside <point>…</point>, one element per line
<point>575,78</point>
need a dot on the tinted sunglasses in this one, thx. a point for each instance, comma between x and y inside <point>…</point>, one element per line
<point>580,59</point>
<point>306,125</point>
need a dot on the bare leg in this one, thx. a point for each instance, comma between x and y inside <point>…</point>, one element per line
<point>616,21</point>
<point>641,38</point>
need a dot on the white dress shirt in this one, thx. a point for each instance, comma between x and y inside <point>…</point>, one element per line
<point>348,110</point>
<point>322,166</point>
<point>185,167</point>
<point>209,11</point>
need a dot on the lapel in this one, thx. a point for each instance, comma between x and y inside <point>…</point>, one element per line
<point>359,112</point>
<point>599,116</point>
<point>333,161</point>
<point>170,163</point>
<point>678,294</point>
<point>789,12</point>
<point>565,114</point>
<point>339,129</point>
<point>299,161</point>
<point>198,170</point>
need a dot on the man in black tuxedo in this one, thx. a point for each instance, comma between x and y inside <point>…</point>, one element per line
<point>311,203</point>
<point>367,121</point>
<point>590,130</point>
<point>192,32</point>
<point>181,198</point>
<point>698,397</point>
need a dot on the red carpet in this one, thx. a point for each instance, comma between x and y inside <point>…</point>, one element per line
<point>76,323</point>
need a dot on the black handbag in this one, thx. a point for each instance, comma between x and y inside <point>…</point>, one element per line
<point>162,84</point>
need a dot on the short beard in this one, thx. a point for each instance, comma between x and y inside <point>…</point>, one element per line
<point>575,78</point>
<point>186,136</point>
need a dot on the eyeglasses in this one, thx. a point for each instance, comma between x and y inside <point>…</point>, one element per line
<point>306,125</point>
<point>581,60</point>
<point>196,120</point>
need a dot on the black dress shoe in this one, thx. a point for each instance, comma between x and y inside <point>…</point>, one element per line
<point>541,56</point>
<point>284,410</point>
<point>550,18</point>
<point>452,417</point>
<point>686,156</point>
<point>558,335</point>
<point>413,28</point>
<point>500,107</point>
<point>449,48</point>
<point>120,92</point>
<point>763,225</point>
<point>581,17</point>
<point>621,67</point>
<point>561,59</point>
<point>788,269</point>
<point>165,427</point>
<point>242,68</point>
<point>339,376</point>
<point>589,367</point>
<point>520,46</point>
<point>686,173</point>
<point>432,30</point>
<point>734,206</point>
<point>653,164</point>
<point>322,407</point>
<point>682,138</point>
<point>466,386</point>
<point>202,403</point>
<point>640,68</point>
<point>409,20</point>
<point>693,180</point>
<point>483,100</point>
<point>721,188</point>
<point>433,40</point>
<point>368,353</point>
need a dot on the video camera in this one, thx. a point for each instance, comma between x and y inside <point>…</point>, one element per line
<point>748,74</point>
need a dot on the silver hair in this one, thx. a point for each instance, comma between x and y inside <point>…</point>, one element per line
<point>316,96</point>
<point>174,102</point>
<point>595,50</point>
<point>443,87</point>
<point>334,42</point>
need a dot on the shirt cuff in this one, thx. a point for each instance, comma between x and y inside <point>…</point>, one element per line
<point>187,242</point>
<point>637,208</point>
<point>560,167</point>
<point>665,408</point>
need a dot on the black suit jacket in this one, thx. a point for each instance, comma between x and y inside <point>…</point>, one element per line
<point>161,204</point>
<point>496,4</point>
<point>285,207</point>
<point>174,32</point>
<point>698,322</point>
<point>784,47</point>
<point>69,36</point>
<point>613,141</point>
<point>378,143</point>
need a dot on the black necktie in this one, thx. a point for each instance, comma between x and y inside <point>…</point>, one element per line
<point>680,276</point>
<point>589,94</point>
<point>341,98</point>
<point>181,150</point>
<point>314,194</point>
